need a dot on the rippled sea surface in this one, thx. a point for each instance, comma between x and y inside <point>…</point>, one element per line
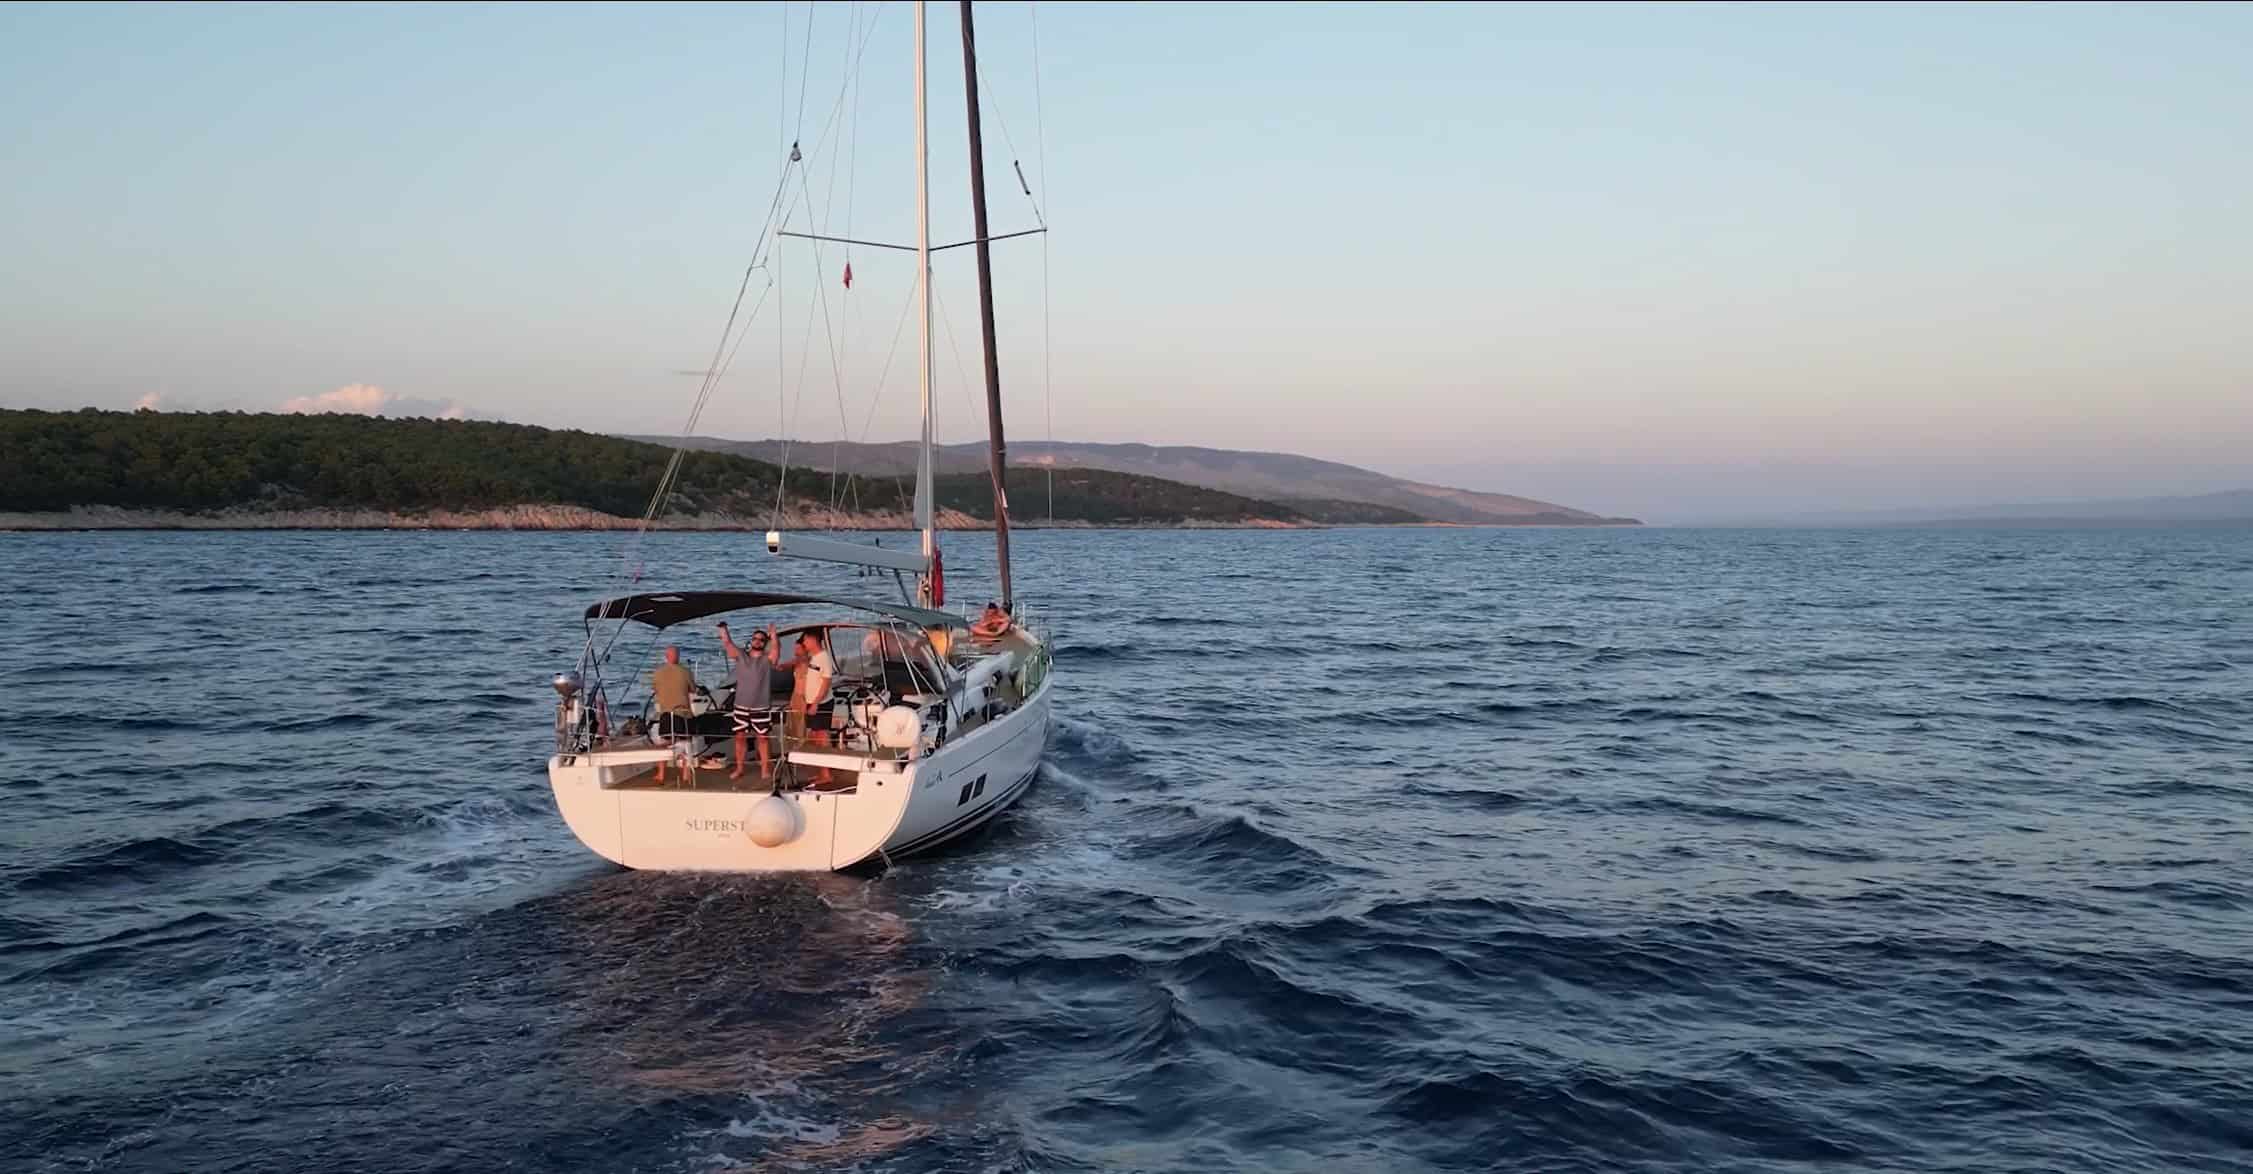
<point>1355,850</point>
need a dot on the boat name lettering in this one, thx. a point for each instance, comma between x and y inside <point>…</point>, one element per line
<point>715,825</point>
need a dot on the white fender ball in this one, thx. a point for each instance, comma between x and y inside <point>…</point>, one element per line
<point>771,822</point>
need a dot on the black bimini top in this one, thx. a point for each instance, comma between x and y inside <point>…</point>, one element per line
<point>663,609</point>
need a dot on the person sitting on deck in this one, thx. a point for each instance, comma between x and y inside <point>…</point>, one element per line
<point>672,685</point>
<point>809,696</point>
<point>753,710</point>
<point>991,625</point>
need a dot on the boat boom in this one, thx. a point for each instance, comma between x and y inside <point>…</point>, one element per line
<point>829,550</point>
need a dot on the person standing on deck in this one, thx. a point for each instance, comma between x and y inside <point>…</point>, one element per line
<point>809,695</point>
<point>754,696</point>
<point>672,685</point>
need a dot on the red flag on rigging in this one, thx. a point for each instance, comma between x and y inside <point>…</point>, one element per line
<point>848,275</point>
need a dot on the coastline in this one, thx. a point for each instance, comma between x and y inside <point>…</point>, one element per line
<point>577,518</point>
<point>558,518</point>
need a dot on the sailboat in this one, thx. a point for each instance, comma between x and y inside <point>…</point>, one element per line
<point>925,726</point>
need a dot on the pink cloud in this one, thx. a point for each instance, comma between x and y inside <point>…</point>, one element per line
<point>366,399</point>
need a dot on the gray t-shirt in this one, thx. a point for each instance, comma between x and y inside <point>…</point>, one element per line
<point>754,681</point>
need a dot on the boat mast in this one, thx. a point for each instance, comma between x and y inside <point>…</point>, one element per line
<point>997,448</point>
<point>924,506</point>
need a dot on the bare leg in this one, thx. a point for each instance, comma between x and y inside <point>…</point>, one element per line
<point>766,757</point>
<point>821,739</point>
<point>742,746</point>
<point>794,738</point>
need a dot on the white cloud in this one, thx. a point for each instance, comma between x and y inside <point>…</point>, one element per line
<point>366,399</point>
<point>153,401</point>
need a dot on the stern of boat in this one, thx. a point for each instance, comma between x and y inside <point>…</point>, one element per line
<point>606,799</point>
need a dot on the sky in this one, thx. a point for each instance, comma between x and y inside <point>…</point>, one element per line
<point>1681,262</point>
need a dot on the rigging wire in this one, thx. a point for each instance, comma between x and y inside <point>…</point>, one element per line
<point>852,125</point>
<point>784,410</point>
<point>765,258</point>
<point>782,405</point>
<point>746,331</point>
<point>782,77</point>
<point>883,377</point>
<point>1040,144</point>
<point>798,395</point>
<point>781,333</point>
<point>836,336</point>
<point>806,56</point>
<point>832,344</point>
<point>994,103</point>
<point>962,369</point>
<point>713,371</point>
<point>845,302</point>
<point>841,330</point>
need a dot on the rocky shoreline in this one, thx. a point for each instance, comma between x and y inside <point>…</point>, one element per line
<point>536,517</point>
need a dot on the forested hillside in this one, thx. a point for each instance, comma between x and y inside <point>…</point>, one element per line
<point>212,461</point>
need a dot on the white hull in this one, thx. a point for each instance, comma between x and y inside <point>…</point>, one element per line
<point>952,744</point>
<point>896,810</point>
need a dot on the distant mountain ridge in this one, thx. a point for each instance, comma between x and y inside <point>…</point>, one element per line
<point>1285,478</point>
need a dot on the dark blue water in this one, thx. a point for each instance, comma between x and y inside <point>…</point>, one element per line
<point>1408,850</point>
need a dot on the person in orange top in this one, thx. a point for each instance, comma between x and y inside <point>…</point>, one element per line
<point>991,624</point>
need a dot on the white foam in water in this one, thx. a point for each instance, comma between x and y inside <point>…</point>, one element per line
<point>764,1123</point>
<point>481,854</point>
<point>988,884</point>
<point>772,1123</point>
<point>1076,848</point>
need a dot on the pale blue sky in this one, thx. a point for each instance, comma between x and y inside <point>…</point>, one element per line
<point>1674,261</point>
